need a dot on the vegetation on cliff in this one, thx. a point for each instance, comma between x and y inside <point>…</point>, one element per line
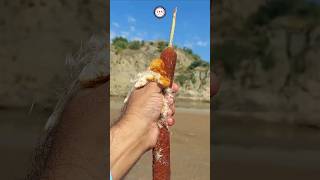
<point>270,54</point>
<point>130,57</point>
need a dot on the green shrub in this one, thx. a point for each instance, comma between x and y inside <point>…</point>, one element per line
<point>232,54</point>
<point>193,79</point>
<point>120,43</point>
<point>187,50</point>
<point>196,57</point>
<point>134,45</point>
<point>271,10</point>
<point>198,63</point>
<point>180,79</point>
<point>190,52</point>
<point>162,45</point>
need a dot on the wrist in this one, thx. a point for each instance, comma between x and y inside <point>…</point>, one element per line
<point>139,129</point>
<point>127,144</point>
<point>128,134</point>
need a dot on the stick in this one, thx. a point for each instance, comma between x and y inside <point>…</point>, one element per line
<point>173,26</point>
<point>161,152</point>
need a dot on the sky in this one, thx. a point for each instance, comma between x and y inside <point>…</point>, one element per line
<point>135,20</point>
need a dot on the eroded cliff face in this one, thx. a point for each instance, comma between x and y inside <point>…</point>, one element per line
<point>269,65</point>
<point>194,81</point>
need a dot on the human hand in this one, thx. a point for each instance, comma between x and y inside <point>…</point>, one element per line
<point>144,107</point>
<point>137,130</point>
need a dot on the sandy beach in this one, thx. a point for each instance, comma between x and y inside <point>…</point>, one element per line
<point>262,151</point>
<point>190,146</point>
<point>244,149</point>
<point>243,163</point>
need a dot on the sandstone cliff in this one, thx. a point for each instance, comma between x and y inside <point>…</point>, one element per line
<point>191,74</point>
<point>268,61</point>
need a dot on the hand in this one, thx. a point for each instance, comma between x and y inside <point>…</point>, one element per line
<point>144,104</point>
<point>137,130</point>
<point>144,107</point>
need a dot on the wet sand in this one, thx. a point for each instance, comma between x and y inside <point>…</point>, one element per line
<point>247,149</point>
<point>234,162</point>
<point>20,131</point>
<point>239,151</point>
<point>190,146</point>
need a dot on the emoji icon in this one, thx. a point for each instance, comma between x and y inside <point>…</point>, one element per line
<point>159,12</point>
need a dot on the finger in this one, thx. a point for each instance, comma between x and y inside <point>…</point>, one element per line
<point>170,113</point>
<point>170,121</point>
<point>175,87</point>
<point>169,99</point>
<point>172,109</point>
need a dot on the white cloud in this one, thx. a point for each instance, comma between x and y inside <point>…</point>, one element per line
<point>124,34</point>
<point>112,35</point>
<point>132,28</point>
<point>131,19</point>
<point>136,38</point>
<point>188,44</point>
<point>202,43</point>
<point>115,24</point>
<point>196,37</point>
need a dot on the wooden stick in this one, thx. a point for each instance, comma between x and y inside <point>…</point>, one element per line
<point>161,153</point>
<point>173,26</point>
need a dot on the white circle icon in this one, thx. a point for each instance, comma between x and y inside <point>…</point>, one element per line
<point>159,12</point>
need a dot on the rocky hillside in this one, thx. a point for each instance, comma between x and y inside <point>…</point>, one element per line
<point>268,60</point>
<point>129,58</point>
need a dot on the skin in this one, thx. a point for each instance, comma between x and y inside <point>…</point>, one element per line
<point>77,148</point>
<point>137,131</point>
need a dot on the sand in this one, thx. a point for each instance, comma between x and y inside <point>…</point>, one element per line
<point>232,162</point>
<point>190,146</point>
<point>238,152</point>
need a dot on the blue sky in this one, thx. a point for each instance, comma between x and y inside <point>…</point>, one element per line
<point>134,19</point>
